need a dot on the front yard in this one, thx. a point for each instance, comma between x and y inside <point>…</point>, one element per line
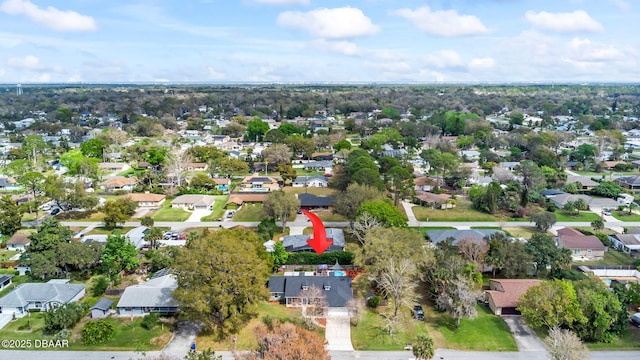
<point>462,212</point>
<point>249,212</point>
<point>487,332</point>
<point>624,216</point>
<point>583,216</point>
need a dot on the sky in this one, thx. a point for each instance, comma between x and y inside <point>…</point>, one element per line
<point>318,41</point>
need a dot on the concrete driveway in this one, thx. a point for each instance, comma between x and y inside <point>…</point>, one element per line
<point>182,339</point>
<point>338,330</point>
<point>198,214</point>
<point>526,339</point>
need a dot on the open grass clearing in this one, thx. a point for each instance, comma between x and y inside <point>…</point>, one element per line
<point>311,190</point>
<point>7,254</point>
<point>101,230</point>
<point>624,216</point>
<point>31,216</point>
<point>170,214</point>
<point>249,212</point>
<point>330,216</point>
<point>521,231</point>
<point>462,212</point>
<point>611,257</point>
<point>583,216</point>
<point>246,337</point>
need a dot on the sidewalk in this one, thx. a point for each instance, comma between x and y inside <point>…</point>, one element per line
<point>413,221</point>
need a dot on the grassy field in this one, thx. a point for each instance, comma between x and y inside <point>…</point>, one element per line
<point>330,216</point>
<point>623,216</point>
<point>584,216</point>
<point>129,335</point>
<point>485,333</point>
<point>7,254</point>
<point>311,190</point>
<point>167,213</point>
<point>31,216</point>
<point>246,338</point>
<point>462,212</point>
<point>249,212</point>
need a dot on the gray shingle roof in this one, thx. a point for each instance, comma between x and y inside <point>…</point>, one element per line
<point>339,293</point>
<point>102,304</point>
<point>295,243</point>
<point>43,292</point>
<point>153,293</point>
<point>436,236</point>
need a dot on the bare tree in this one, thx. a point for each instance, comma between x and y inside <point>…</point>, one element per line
<point>564,344</point>
<point>397,281</point>
<point>362,225</point>
<point>459,299</point>
<point>501,175</point>
<point>355,307</point>
<point>277,154</point>
<point>474,250</point>
<point>176,166</point>
<point>312,302</point>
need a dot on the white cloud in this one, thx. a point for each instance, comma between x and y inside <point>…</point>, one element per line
<point>341,47</point>
<point>28,62</point>
<point>445,59</point>
<point>284,2</point>
<point>586,50</point>
<point>2,72</point>
<point>214,74</point>
<point>61,20</point>
<point>336,23</point>
<point>576,21</point>
<point>443,22</point>
<point>481,63</point>
<point>621,4</point>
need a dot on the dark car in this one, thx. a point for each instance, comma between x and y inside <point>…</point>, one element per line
<point>55,211</point>
<point>418,313</point>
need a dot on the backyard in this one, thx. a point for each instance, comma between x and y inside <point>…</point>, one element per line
<point>611,257</point>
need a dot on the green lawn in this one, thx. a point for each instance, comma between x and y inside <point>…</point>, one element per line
<point>101,230</point>
<point>171,214</point>
<point>462,212</point>
<point>246,338</point>
<point>611,257</point>
<point>584,216</point>
<point>129,335</point>
<point>218,208</point>
<point>628,340</point>
<point>31,216</point>
<point>485,333</point>
<point>249,212</point>
<point>330,216</point>
<point>311,190</point>
<point>7,254</point>
<point>623,216</point>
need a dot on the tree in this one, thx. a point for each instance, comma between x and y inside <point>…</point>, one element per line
<point>602,310</point>
<point>423,348</point>
<point>17,168</point>
<point>97,332</point>
<point>33,183</point>
<point>278,256</point>
<point>510,257</point>
<point>277,341</point>
<point>176,166</point>
<point>400,183</point>
<point>552,303</point>
<point>597,224</point>
<point>152,236</point>
<point>459,299</point>
<point>608,189</point>
<point>585,153</point>
<point>10,216</point>
<point>348,202</point>
<point>32,145</point>
<point>93,148</point>
<point>279,205</point>
<point>564,344</point>
<point>300,146</point>
<point>397,282</point>
<point>118,211</point>
<point>532,179</point>
<point>387,214</point>
<point>312,302</point>
<point>68,195</point>
<point>50,233</point>
<point>226,166</point>
<point>546,254</point>
<point>473,251</point>
<point>363,224</point>
<point>119,254</point>
<point>277,154</point>
<point>220,290</point>
<point>342,144</point>
<point>287,172</point>
<point>256,128</point>
<point>146,221</point>
<point>543,220</point>
<point>99,286</point>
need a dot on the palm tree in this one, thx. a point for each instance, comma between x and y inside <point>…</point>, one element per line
<point>423,348</point>
<point>632,205</point>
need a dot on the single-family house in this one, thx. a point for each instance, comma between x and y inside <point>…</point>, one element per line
<point>136,236</point>
<point>222,184</point>
<point>240,199</point>
<point>197,166</point>
<point>438,201</point>
<point>629,182</point>
<point>147,200</point>
<point>397,153</point>
<point>311,201</point>
<point>298,243</point>
<point>437,236</point>
<point>256,183</point>
<point>193,202</point>
<point>310,181</point>
<point>41,296</point>
<point>319,156</point>
<point>628,243</point>
<point>560,199</point>
<point>609,165</point>
<point>423,183</point>
<point>154,295</point>
<point>585,183</point>
<point>5,281</point>
<point>322,165</point>
<point>113,166</point>
<point>18,242</point>
<point>337,290</point>
<point>583,247</point>
<point>101,308</point>
<point>503,294</point>
<point>509,165</point>
<point>119,183</point>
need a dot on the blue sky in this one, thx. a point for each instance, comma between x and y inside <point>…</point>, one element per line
<point>319,41</point>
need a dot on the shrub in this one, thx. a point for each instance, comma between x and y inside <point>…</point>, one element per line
<point>150,321</point>
<point>373,301</point>
<point>100,284</point>
<point>307,258</point>
<point>97,332</point>
<point>604,239</point>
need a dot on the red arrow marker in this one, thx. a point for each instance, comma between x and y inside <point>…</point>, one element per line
<point>319,241</point>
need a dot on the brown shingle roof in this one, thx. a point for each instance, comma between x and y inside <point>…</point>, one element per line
<point>220,181</point>
<point>574,239</point>
<point>19,239</point>
<point>146,197</point>
<point>120,182</point>
<point>433,198</point>
<point>242,198</point>
<point>513,289</point>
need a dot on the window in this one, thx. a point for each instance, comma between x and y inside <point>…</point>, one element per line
<point>305,287</point>
<point>588,251</point>
<point>576,251</point>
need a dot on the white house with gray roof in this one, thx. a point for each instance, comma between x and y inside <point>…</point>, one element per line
<point>437,236</point>
<point>41,296</point>
<point>154,295</point>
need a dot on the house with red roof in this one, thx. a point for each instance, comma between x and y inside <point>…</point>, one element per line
<point>583,247</point>
<point>503,294</point>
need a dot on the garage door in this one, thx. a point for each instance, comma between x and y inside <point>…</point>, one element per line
<point>510,311</point>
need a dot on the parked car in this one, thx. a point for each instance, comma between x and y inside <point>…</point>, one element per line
<point>55,211</point>
<point>418,313</point>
